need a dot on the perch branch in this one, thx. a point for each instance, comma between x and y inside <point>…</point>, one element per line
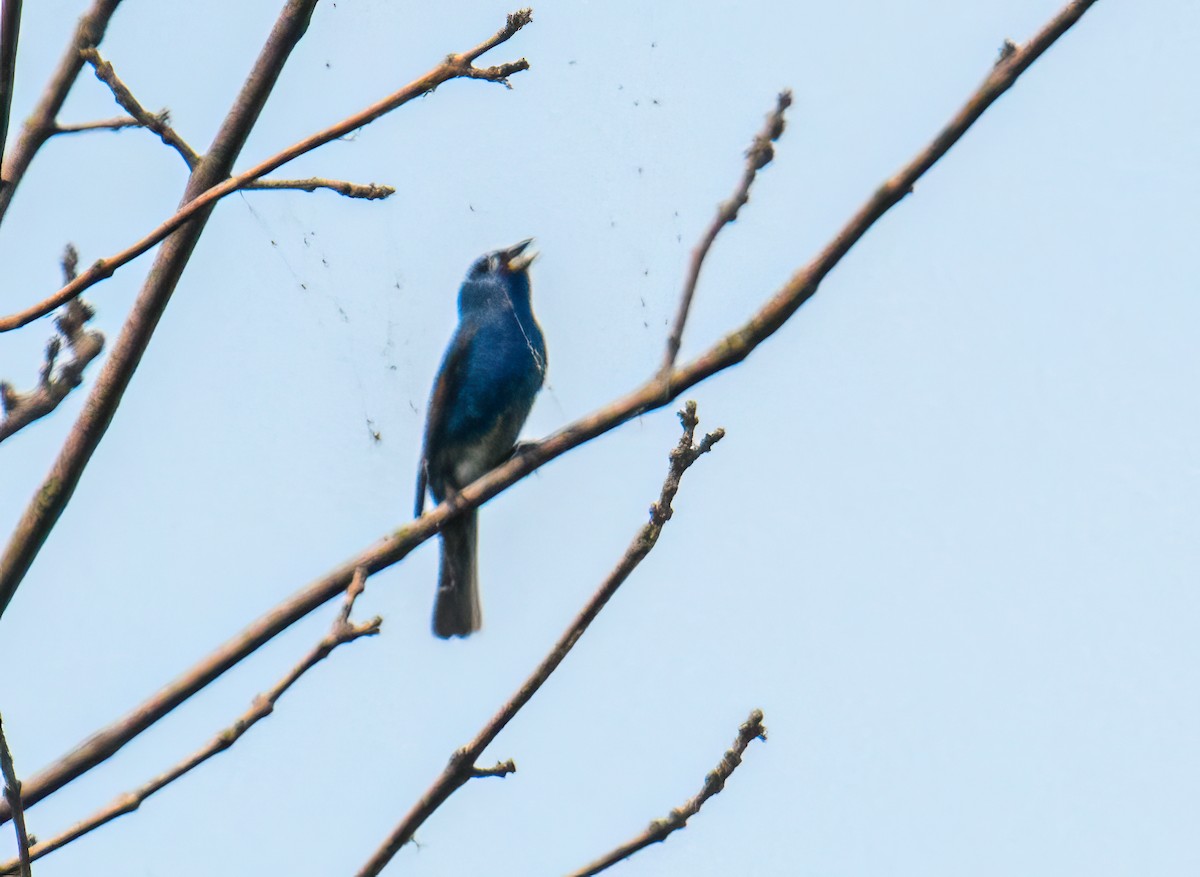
<point>454,67</point>
<point>660,829</point>
<point>40,125</point>
<point>340,633</point>
<point>12,794</point>
<point>462,764</point>
<point>656,393</point>
<point>18,410</point>
<point>758,156</point>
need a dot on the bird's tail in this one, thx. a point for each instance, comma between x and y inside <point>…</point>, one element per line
<point>456,609</point>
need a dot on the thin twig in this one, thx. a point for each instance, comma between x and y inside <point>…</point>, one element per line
<point>660,829</point>
<point>454,67</point>
<point>462,764</point>
<point>159,123</point>
<point>654,394</point>
<point>758,156</point>
<point>12,794</point>
<point>18,410</point>
<point>10,32</point>
<point>39,126</point>
<point>367,191</point>
<point>120,123</point>
<point>342,631</point>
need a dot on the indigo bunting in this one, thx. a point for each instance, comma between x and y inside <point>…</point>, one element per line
<point>491,372</point>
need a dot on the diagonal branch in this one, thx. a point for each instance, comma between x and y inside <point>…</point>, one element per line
<point>10,31</point>
<point>654,394</point>
<point>12,794</point>
<point>454,67</point>
<point>462,767</point>
<point>18,410</point>
<point>660,829</point>
<point>159,123</point>
<point>340,633</point>
<point>39,127</point>
<point>758,156</point>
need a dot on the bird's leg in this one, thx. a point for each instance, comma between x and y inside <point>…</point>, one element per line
<point>520,449</point>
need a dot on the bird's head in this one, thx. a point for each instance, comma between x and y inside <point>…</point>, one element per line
<point>498,275</point>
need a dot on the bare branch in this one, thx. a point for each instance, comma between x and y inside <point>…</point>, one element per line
<point>654,394</point>
<point>454,67</point>
<point>752,729</point>
<point>368,191</point>
<point>12,794</point>
<point>119,123</point>
<point>10,31</point>
<point>462,764</point>
<point>39,127</point>
<point>159,122</point>
<point>758,156</point>
<point>18,410</point>
<point>340,633</point>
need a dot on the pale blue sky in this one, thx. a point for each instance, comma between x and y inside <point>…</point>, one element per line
<point>948,546</point>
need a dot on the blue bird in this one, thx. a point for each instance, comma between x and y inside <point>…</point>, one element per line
<point>491,373</point>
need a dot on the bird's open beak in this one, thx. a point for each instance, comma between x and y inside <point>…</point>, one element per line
<point>516,259</point>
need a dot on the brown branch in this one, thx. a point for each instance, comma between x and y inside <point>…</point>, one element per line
<point>454,67</point>
<point>656,393</point>
<point>18,410</point>
<point>119,123</point>
<point>159,123</point>
<point>12,794</point>
<point>758,156</point>
<point>462,767</point>
<point>368,191</point>
<point>661,829</point>
<point>10,31</point>
<point>340,633</point>
<point>39,127</point>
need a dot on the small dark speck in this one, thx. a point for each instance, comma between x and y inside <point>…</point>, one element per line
<point>274,244</point>
<point>654,45</point>
<point>325,262</point>
<point>397,284</point>
<point>676,214</point>
<point>612,224</point>
<point>302,286</point>
<point>391,368</point>
<point>645,324</point>
<point>679,238</point>
<point>571,63</point>
<point>327,65</point>
<point>342,314</point>
<point>620,88</point>
<point>646,273</point>
<point>639,170</point>
<point>643,299</point>
<point>655,102</point>
<point>471,207</point>
<point>415,409</point>
<point>635,103</point>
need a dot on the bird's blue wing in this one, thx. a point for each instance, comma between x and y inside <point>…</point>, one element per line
<point>446,388</point>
